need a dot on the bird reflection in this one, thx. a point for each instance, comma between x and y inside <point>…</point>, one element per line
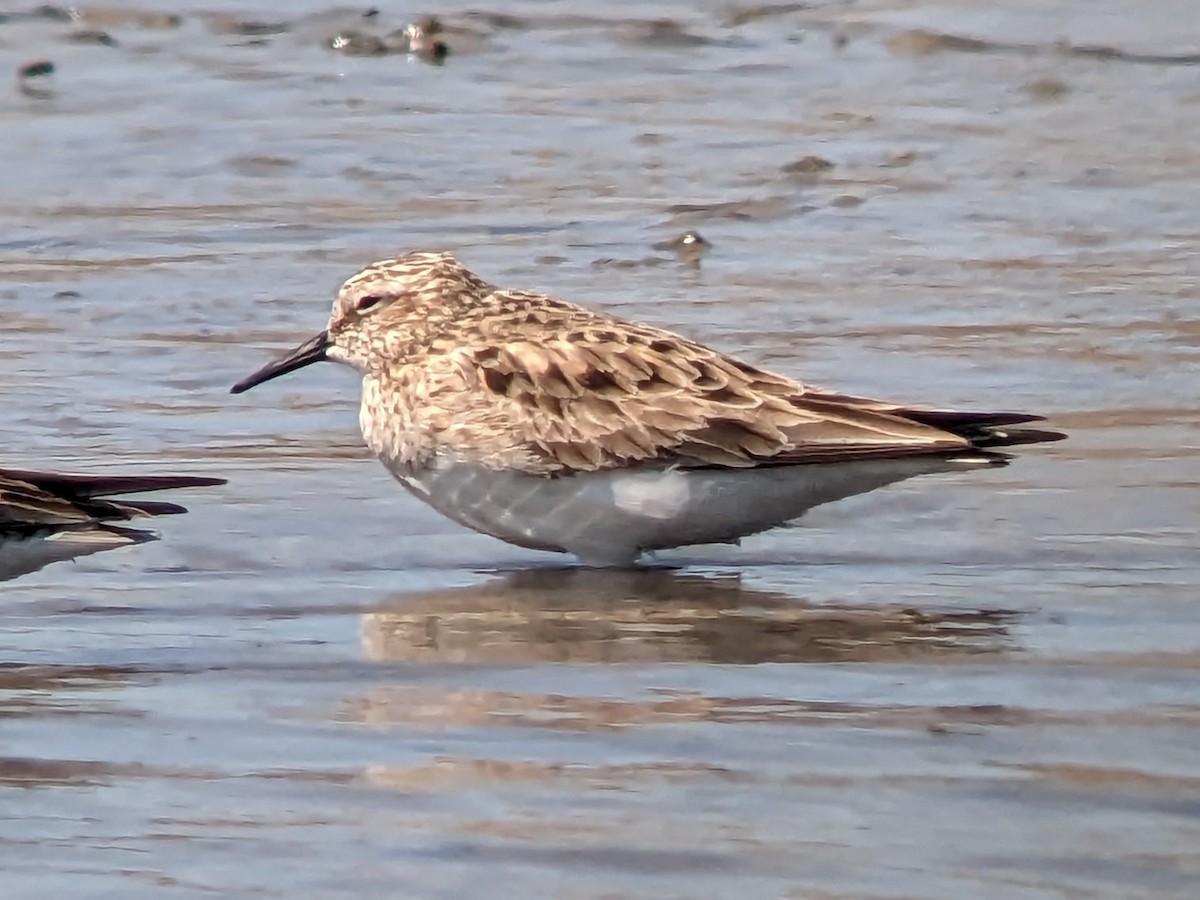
<point>658,616</point>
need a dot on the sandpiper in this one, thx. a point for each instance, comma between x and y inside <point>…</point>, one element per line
<point>557,427</point>
<point>48,517</point>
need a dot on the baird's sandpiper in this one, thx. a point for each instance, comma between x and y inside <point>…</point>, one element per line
<point>557,427</point>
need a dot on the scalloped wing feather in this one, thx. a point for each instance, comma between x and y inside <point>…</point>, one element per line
<point>601,394</point>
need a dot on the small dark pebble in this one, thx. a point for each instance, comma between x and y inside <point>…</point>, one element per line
<point>807,165</point>
<point>252,165</point>
<point>651,139</point>
<point>1047,88</point>
<point>238,26</point>
<point>436,52</point>
<point>36,69</point>
<point>846,201</point>
<point>900,160</point>
<point>261,29</point>
<point>67,295</point>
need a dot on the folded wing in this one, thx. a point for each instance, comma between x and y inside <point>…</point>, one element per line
<point>595,397</point>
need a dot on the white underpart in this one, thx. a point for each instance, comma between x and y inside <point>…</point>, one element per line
<point>611,518</point>
<point>653,495</point>
<point>22,554</point>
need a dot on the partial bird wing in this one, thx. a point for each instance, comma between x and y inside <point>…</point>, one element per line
<point>23,503</point>
<point>31,498</point>
<point>601,393</point>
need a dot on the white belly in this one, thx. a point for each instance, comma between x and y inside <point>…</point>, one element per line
<point>21,554</point>
<point>610,518</point>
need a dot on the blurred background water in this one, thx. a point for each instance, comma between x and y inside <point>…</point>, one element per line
<point>313,686</point>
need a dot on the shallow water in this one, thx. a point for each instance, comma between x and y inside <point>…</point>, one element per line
<point>312,686</point>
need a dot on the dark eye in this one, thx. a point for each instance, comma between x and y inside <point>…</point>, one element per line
<point>366,304</point>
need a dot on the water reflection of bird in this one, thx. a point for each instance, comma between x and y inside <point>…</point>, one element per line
<point>656,616</point>
<point>48,517</point>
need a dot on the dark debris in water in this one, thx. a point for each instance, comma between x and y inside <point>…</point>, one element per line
<point>37,69</point>
<point>92,36</point>
<point>846,201</point>
<point>31,79</point>
<point>807,168</point>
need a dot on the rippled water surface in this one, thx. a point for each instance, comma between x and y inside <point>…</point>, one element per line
<point>314,687</point>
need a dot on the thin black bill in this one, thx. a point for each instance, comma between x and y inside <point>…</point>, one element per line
<point>311,351</point>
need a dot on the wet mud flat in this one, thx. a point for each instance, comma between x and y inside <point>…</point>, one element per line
<point>313,686</point>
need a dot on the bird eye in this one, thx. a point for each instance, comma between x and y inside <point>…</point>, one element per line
<point>366,304</point>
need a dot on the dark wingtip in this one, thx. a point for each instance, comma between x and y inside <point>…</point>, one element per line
<point>1002,438</point>
<point>986,429</point>
<point>152,507</point>
<point>84,485</point>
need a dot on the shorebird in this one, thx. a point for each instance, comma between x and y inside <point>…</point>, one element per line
<point>557,427</point>
<point>48,517</point>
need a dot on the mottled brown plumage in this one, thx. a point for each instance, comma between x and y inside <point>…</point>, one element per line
<point>518,378</point>
<point>458,371</point>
